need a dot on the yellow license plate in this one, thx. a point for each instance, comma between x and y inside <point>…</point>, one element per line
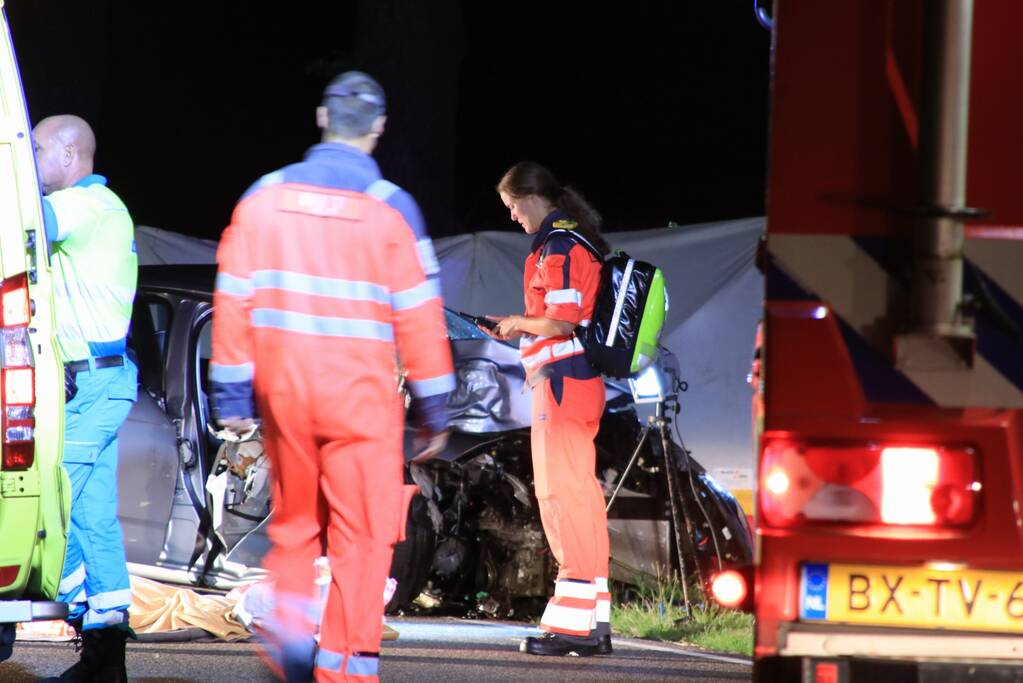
<point>966,599</point>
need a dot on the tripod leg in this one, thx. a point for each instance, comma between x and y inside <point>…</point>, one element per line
<point>679,518</point>
<point>632,461</point>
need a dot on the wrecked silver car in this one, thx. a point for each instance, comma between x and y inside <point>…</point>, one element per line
<point>193,508</point>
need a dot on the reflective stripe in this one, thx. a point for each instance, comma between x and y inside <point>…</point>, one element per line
<point>301,283</point>
<point>362,666</point>
<point>562,349</point>
<point>433,386</point>
<point>572,619</point>
<point>230,284</point>
<point>303,323</point>
<point>575,589</point>
<point>327,659</point>
<point>563,296</point>
<point>381,189</point>
<point>72,580</point>
<point>416,296</point>
<point>427,256</point>
<point>623,290</point>
<point>603,599</point>
<point>232,373</point>
<point>79,598</point>
<point>119,599</point>
<point>94,619</point>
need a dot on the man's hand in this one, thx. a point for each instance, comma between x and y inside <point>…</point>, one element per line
<point>236,428</point>
<point>428,444</point>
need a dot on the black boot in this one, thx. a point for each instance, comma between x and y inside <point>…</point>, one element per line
<point>604,645</point>
<point>554,645</point>
<point>101,659</point>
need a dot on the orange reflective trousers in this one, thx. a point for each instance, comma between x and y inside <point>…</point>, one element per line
<point>572,502</point>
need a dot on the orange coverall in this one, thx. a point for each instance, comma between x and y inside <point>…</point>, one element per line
<point>320,286</point>
<point>561,281</point>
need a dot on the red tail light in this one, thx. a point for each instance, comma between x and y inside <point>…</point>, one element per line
<point>868,483</point>
<point>8,574</point>
<point>729,588</point>
<point>17,377</point>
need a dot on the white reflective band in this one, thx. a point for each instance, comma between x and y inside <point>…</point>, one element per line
<point>584,323</point>
<point>232,373</point>
<point>119,599</point>
<point>567,618</point>
<point>362,666</point>
<point>603,610</point>
<point>79,598</point>
<point>229,284</point>
<point>335,288</point>
<point>304,323</point>
<point>427,256</point>
<point>416,296</point>
<point>424,388</point>
<point>72,580</point>
<point>330,660</point>
<point>537,358</point>
<point>563,296</point>
<point>569,347</point>
<point>381,189</point>
<point>575,589</point>
<point>112,618</point>
<point>623,290</point>
<point>601,583</point>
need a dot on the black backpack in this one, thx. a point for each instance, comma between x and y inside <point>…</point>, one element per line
<point>628,316</point>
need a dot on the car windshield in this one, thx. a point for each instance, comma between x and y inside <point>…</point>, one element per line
<point>460,329</point>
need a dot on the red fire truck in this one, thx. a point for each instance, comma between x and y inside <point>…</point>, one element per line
<point>889,524</point>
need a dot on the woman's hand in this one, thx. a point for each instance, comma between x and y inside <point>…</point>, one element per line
<point>507,326</point>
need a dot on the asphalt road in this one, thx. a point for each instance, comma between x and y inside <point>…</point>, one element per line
<point>428,651</point>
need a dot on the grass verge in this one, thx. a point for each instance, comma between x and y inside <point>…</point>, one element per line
<point>656,610</point>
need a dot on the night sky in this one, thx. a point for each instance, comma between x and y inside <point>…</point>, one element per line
<point>655,110</point>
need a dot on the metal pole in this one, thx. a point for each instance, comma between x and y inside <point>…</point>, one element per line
<point>944,123</point>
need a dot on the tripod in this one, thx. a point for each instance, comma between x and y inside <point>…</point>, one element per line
<point>680,522</point>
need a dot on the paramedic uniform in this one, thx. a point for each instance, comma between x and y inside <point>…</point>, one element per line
<point>561,281</point>
<point>95,269</point>
<point>325,276</point>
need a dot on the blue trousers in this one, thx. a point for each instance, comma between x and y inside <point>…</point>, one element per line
<point>95,577</point>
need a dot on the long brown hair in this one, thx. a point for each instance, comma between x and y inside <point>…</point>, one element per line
<point>530,178</point>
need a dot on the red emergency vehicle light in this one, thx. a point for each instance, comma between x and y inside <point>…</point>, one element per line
<point>867,483</point>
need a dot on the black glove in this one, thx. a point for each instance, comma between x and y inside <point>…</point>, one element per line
<point>70,385</point>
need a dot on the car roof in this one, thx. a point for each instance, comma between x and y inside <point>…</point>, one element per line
<point>196,278</point>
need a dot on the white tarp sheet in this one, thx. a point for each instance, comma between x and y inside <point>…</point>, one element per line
<point>715,292</point>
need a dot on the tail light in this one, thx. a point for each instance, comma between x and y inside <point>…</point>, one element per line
<point>17,376</point>
<point>8,574</point>
<point>729,588</point>
<point>867,483</point>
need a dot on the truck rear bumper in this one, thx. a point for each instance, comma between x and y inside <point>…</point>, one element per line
<point>12,611</point>
<point>848,670</point>
<point>802,640</point>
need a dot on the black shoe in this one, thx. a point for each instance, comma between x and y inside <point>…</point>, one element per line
<point>604,645</point>
<point>553,645</point>
<point>102,658</point>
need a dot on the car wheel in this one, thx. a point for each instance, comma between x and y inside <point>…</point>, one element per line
<point>413,556</point>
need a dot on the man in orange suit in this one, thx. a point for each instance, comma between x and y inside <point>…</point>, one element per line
<point>325,277</point>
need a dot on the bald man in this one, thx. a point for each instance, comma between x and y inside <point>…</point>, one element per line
<point>94,274</point>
